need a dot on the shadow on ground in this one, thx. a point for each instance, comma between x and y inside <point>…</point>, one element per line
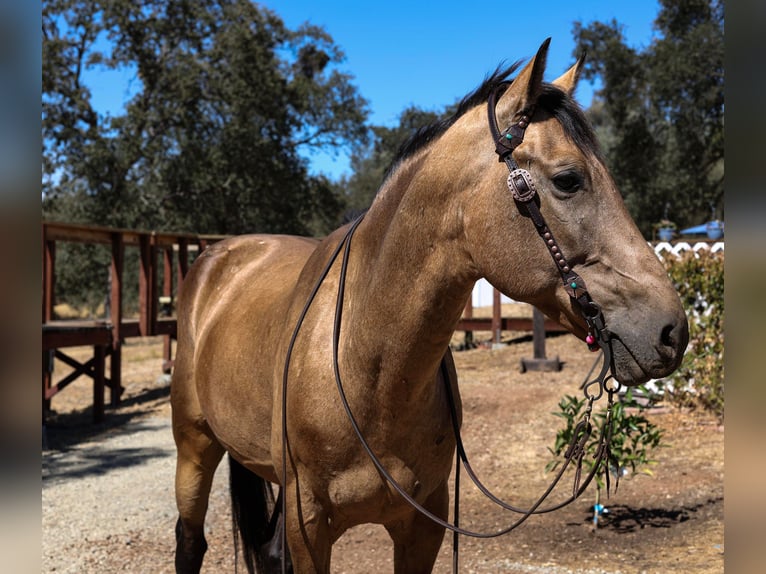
<point>622,518</point>
<point>62,432</point>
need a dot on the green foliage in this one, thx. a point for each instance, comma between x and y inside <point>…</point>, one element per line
<point>82,274</point>
<point>83,278</point>
<point>634,436</point>
<point>699,382</point>
<point>659,111</point>
<point>225,97</point>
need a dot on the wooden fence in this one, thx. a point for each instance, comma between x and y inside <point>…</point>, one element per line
<point>169,251</point>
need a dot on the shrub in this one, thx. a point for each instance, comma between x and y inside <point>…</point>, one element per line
<point>634,437</point>
<point>699,382</point>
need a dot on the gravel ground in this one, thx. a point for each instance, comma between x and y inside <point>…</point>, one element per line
<point>129,474</point>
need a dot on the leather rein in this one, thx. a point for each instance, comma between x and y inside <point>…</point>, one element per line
<point>524,193</point>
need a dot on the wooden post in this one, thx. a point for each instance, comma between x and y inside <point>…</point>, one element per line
<point>49,277</point>
<point>48,359</point>
<point>147,287</point>
<point>496,319</point>
<point>154,302</point>
<point>167,292</point>
<point>182,265</point>
<point>468,314</point>
<point>99,354</point>
<point>539,362</point>
<point>167,272</point>
<point>49,283</point>
<point>115,298</point>
<point>538,334</point>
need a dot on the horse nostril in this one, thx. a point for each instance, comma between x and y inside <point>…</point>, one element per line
<point>666,337</point>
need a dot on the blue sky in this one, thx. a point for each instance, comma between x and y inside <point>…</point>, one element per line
<point>429,54</point>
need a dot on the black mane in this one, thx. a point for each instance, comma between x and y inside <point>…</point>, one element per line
<point>552,99</point>
<point>425,135</point>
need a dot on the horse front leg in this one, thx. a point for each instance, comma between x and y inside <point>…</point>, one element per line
<point>417,538</point>
<point>308,532</point>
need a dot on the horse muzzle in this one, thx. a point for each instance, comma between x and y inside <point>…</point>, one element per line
<point>639,354</point>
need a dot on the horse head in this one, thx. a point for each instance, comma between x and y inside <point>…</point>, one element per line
<point>585,212</point>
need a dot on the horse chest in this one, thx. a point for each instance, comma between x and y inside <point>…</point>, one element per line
<point>360,494</point>
<point>417,456</point>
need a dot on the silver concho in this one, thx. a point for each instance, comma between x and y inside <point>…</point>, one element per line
<point>521,185</point>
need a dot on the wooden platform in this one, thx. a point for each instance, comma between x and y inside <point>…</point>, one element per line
<point>63,334</point>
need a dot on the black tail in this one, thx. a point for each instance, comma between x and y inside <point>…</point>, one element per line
<point>255,520</point>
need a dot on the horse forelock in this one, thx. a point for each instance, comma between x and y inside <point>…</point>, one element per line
<point>571,116</point>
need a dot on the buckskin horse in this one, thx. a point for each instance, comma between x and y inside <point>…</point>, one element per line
<point>262,346</point>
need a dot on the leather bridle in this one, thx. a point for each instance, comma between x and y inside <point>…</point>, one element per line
<point>522,187</point>
<point>525,194</point>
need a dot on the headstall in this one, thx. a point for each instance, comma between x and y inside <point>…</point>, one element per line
<point>523,189</point>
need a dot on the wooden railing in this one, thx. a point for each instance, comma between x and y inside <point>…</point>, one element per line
<point>497,323</point>
<point>155,249</point>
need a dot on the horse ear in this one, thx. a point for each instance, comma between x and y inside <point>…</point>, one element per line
<point>568,80</point>
<point>525,89</point>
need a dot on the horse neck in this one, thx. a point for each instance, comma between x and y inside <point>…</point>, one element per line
<point>412,273</point>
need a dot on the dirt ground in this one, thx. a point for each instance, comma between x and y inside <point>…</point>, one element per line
<point>669,522</point>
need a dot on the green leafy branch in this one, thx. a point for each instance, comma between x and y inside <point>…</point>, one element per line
<point>634,436</point>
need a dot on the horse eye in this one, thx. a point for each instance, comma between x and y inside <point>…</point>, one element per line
<point>569,182</point>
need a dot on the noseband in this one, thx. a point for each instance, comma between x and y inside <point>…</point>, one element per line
<point>522,188</point>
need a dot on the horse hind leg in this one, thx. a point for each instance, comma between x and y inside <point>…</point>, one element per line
<point>273,548</point>
<point>198,456</point>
